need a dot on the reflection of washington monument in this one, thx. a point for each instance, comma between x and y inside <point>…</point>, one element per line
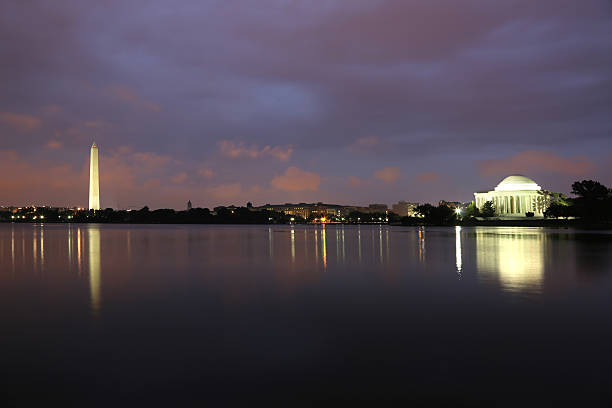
<point>512,256</point>
<point>93,238</point>
<point>94,179</point>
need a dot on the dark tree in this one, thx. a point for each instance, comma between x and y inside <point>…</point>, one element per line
<point>488,209</point>
<point>558,210</point>
<point>590,190</point>
<point>471,211</point>
<point>440,215</point>
<point>593,202</point>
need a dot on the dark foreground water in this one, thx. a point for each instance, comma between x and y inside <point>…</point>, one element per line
<point>115,315</point>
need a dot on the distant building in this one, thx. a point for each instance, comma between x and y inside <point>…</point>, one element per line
<point>515,196</point>
<point>405,209</point>
<point>189,206</point>
<point>306,210</point>
<point>378,208</point>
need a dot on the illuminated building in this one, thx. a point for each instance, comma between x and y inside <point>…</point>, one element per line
<point>405,209</point>
<point>377,208</point>
<point>515,196</point>
<point>305,210</point>
<point>94,179</point>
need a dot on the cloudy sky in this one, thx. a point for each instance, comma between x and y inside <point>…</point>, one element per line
<point>345,101</point>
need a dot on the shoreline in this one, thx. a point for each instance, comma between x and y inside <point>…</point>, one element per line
<point>544,223</point>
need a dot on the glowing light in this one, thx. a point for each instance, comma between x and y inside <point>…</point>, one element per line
<point>513,257</point>
<point>458,211</point>
<point>324,247</point>
<point>458,260</point>
<point>518,187</point>
<point>292,245</point>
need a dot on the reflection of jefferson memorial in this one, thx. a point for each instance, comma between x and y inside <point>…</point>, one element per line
<point>514,257</point>
<point>514,196</point>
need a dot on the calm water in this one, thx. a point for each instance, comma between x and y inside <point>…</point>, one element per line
<point>117,314</point>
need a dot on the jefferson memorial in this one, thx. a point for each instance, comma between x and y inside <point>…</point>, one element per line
<point>515,196</point>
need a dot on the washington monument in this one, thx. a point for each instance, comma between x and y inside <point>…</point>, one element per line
<point>94,179</point>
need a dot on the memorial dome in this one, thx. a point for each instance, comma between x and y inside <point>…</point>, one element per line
<point>517,182</point>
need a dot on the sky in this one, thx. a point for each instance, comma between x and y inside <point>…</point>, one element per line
<point>273,101</point>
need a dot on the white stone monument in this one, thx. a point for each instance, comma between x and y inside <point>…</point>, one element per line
<point>94,179</point>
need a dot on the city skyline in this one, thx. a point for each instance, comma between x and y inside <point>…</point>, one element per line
<point>350,102</point>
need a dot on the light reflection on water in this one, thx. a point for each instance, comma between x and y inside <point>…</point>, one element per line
<point>423,308</point>
<point>93,236</point>
<point>458,261</point>
<point>513,256</point>
<point>514,260</point>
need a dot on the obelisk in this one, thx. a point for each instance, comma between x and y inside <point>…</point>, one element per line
<point>94,179</point>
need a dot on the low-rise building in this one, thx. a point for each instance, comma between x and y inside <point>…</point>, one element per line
<point>405,209</point>
<point>306,210</point>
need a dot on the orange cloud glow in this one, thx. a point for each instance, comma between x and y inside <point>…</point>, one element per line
<point>532,161</point>
<point>53,144</point>
<point>38,182</point>
<point>388,175</point>
<point>206,173</point>
<point>427,177</point>
<point>180,178</point>
<point>129,96</point>
<point>356,182</point>
<point>225,191</point>
<point>21,123</point>
<point>236,150</point>
<point>295,179</point>
<point>150,161</point>
<point>365,143</point>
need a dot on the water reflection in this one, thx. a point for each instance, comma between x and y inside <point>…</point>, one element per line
<point>514,257</point>
<point>13,248</point>
<point>93,238</point>
<point>79,250</point>
<point>421,235</point>
<point>324,242</point>
<point>518,260</point>
<point>69,246</point>
<point>359,241</point>
<point>380,245</point>
<point>270,243</point>
<point>42,247</point>
<point>292,244</point>
<point>458,260</point>
<point>35,251</point>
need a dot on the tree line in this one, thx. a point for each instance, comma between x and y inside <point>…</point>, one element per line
<point>592,204</point>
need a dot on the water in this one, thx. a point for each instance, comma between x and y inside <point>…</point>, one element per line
<point>180,315</point>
